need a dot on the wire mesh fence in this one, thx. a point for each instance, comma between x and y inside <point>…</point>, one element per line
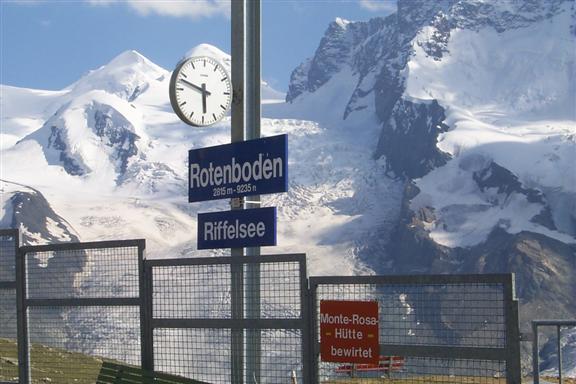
<point>63,273</point>
<point>211,319</point>
<point>191,292</point>
<point>82,304</point>
<point>9,243</point>
<point>558,365</point>
<point>194,324</point>
<point>280,290</point>
<point>421,370</point>
<point>445,329</point>
<point>200,353</point>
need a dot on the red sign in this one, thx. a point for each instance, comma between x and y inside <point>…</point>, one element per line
<point>349,331</point>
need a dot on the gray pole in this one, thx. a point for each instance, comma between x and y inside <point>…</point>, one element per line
<point>253,115</point>
<point>237,134</point>
<point>246,124</point>
<point>535,356</point>
<point>22,315</point>
<point>559,334</point>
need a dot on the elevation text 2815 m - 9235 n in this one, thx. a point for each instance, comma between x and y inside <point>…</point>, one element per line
<point>254,167</point>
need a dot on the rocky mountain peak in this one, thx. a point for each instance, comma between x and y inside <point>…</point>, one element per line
<point>129,57</point>
<point>91,133</point>
<point>127,76</point>
<point>344,45</point>
<point>211,51</point>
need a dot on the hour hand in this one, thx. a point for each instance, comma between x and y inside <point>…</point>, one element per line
<point>201,89</point>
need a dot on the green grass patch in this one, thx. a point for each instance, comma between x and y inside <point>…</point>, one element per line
<point>8,360</point>
<point>49,365</point>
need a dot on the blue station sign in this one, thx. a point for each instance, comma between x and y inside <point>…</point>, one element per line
<point>254,167</point>
<point>237,229</point>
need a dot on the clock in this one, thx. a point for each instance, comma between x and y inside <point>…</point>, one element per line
<point>200,91</point>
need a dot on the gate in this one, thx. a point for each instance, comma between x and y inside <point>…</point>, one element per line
<point>80,302</point>
<point>444,328</point>
<point>9,243</point>
<point>196,331</point>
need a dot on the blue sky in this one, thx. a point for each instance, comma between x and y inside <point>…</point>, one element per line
<point>50,44</point>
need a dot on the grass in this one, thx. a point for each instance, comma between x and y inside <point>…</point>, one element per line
<point>8,360</point>
<point>51,365</point>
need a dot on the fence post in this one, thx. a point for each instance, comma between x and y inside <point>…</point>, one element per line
<point>559,346</point>
<point>144,285</point>
<point>513,367</point>
<point>22,318</point>
<point>313,331</point>
<point>535,356</point>
<point>305,314</point>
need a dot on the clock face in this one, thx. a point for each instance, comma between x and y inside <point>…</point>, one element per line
<point>200,91</point>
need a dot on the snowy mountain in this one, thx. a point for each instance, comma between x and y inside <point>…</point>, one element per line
<point>110,157</point>
<point>476,107</point>
<point>440,139</point>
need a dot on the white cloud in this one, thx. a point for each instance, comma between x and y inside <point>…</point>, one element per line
<point>379,5</point>
<point>194,9</point>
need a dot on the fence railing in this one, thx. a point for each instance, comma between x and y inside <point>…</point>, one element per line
<point>558,324</point>
<point>445,328</point>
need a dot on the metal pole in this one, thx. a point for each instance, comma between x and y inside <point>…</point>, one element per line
<point>513,369</point>
<point>22,319</point>
<point>535,357</point>
<point>252,62</point>
<point>246,124</point>
<point>305,311</point>
<point>237,134</point>
<point>559,334</point>
<point>145,296</point>
<point>314,331</point>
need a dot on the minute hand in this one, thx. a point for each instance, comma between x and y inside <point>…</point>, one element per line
<point>203,90</point>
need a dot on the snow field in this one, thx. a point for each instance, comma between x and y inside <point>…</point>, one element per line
<point>515,106</point>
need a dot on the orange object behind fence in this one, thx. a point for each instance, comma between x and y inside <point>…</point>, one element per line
<point>386,364</point>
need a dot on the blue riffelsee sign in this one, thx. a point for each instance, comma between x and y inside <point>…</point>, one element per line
<point>254,167</point>
<point>237,229</point>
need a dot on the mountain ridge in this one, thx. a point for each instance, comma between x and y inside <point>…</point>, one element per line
<point>404,156</point>
<point>487,157</point>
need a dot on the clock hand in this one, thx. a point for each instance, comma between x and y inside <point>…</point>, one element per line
<point>196,87</point>
<point>204,94</point>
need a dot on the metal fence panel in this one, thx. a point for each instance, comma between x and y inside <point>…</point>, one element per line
<point>9,243</point>
<point>452,329</point>
<point>558,324</point>
<point>81,303</point>
<point>193,324</point>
